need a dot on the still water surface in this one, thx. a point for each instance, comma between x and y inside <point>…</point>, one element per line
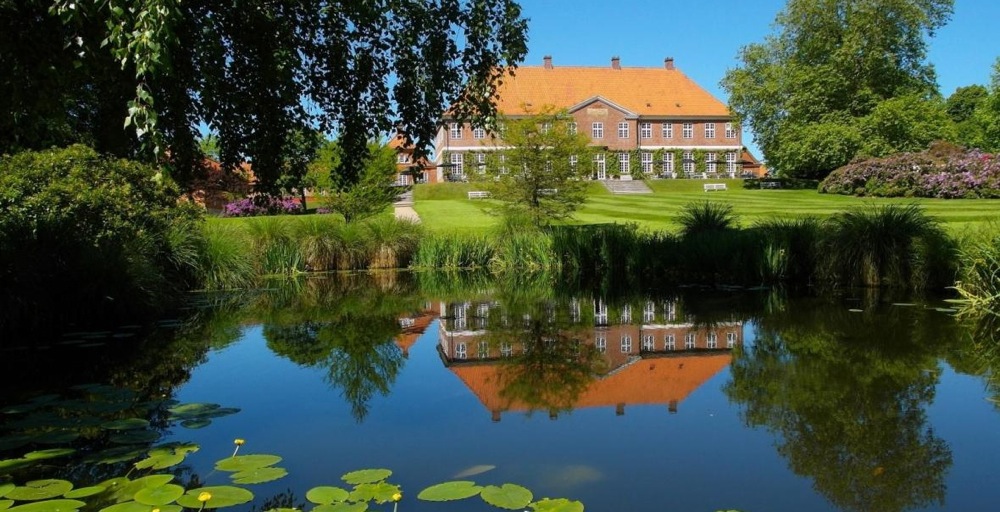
<point>672,400</point>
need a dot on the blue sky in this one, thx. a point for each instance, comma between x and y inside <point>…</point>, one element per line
<point>704,36</point>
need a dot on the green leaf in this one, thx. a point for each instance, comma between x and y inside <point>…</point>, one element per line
<point>49,506</point>
<point>161,495</point>
<point>557,505</point>
<point>126,424</point>
<point>258,475</point>
<point>509,496</point>
<point>83,492</point>
<point>169,448</point>
<point>5,504</point>
<point>135,437</point>
<point>222,496</point>
<point>341,507</point>
<point>193,410</point>
<point>380,492</point>
<point>196,423</point>
<point>5,488</point>
<point>12,464</point>
<point>48,454</point>
<point>448,491</point>
<point>40,490</point>
<point>128,506</point>
<point>325,495</point>
<point>246,462</point>
<point>366,476</point>
<point>160,461</point>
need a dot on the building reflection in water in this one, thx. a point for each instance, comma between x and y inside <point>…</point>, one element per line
<point>581,354</point>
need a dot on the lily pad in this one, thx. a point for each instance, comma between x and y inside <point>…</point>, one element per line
<point>152,481</point>
<point>49,454</point>
<point>509,496</point>
<point>128,506</point>
<point>40,490</point>
<point>198,423</point>
<point>12,464</point>
<point>160,461</point>
<point>115,455</point>
<point>126,424</point>
<point>135,437</point>
<point>342,507</point>
<point>449,491</point>
<point>380,492</point>
<point>5,504</point>
<point>366,476</point>
<point>192,410</point>
<point>557,505</point>
<point>222,496</point>
<point>158,496</point>
<point>325,495</point>
<point>15,441</point>
<point>83,492</point>
<point>258,476</point>
<point>49,506</point>
<point>57,437</point>
<point>5,488</point>
<point>246,462</point>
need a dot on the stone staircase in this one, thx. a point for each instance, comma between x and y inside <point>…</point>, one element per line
<point>626,187</point>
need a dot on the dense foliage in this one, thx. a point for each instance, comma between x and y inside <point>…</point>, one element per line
<point>104,233</point>
<point>941,172</point>
<point>841,78</point>
<point>259,74</point>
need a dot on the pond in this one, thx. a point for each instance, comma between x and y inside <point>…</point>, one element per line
<point>686,399</point>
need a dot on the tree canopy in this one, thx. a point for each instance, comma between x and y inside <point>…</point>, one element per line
<point>831,65</point>
<point>255,73</point>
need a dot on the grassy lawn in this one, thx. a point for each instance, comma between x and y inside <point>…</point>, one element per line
<point>445,207</point>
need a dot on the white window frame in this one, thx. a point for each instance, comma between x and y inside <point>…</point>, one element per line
<point>669,342</point>
<point>730,339</point>
<point>668,161</point>
<point>710,160</point>
<point>483,351</point>
<point>479,133</point>
<point>624,166</point>
<point>687,131</point>
<point>730,131</point>
<point>646,130</point>
<point>506,349</point>
<point>648,343</point>
<point>712,341</point>
<point>457,160</point>
<point>626,314</point>
<point>688,162</point>
<point>670,311</point>
<point>600,313</point>
<point>647,161</point>
<point>731,162</point>
<point>455,131</point>
<point>668,130</point>
<point>626,344</point>
<point>709,130</point>
<point>461,351</point>
<point>601,344</point>
<point>571,127</point>
<point>573,160</point>
<point>623,130</point>
<point>597,130</point>
<point>481,162</point>
<point>648,312</point>
<point>545,127</point>
<point>690,340</point>
<point>599,163</point>
<point>402,158</point>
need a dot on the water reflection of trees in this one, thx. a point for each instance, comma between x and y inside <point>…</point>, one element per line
<point>846,393</point>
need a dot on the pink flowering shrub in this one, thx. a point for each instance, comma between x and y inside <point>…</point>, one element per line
<point>261,205</point>
<point>948,175</point>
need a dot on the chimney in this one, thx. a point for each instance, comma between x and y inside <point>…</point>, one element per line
<point>668,63</point>
<point>616,63</point>
<point>548,61</point>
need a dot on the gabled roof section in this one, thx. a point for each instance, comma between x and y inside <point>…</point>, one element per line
<point>649,92</point>
<point>593,99</point>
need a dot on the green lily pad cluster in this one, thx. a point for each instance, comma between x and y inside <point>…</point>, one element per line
<point>251,469</point>
<point>506,496</point>
<point>369,485</point>
<point>98,424</point>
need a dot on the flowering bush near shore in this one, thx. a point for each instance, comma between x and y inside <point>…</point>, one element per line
<point>262,205</point>
<point>942,172</point>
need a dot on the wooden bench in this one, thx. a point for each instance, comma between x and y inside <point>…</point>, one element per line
<point>478,194</point>
<point>714,186</point>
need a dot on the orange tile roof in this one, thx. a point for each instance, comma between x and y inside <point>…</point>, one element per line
<point>646,382</point>
<point>643,91</point>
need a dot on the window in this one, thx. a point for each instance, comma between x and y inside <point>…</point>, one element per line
<point>571,127</point>
<point>668,130</point>
<point>574,310</point>
<point>668,161</point>
<point>484,350</point>
<point>689,340</point>
<point>731,162</point>
<point>626,344</point>
<point>461,320</point>
<point>669,343</point>
<point>599,165</point>
<point>730,131</point>
<point>455,130</point>
<point>647,343</point>
<point>687,130</point>
<point>623,163</point>
<point>573,159</point>
<point>713,340</point>
<point>481,162</point>
<point>647,161</point>
<point>709,130</point>
<point>402,158</point>
<point>670,311</point>
<point>461,352</point>
<point>601,344</point>
<point>648,312</point>
<point>646,130</point>
<point>545,127</point>
<point>457,165</point>
<point>710,161</point>
<point>478,133</point>
<point>730,339</point>
<point>506,349</point>
<point>502,158</point>
<point>626,314</point>
<point>622,130</point>
<point>600,313</point>
<point>688,162</point>
<point>597,130</point>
